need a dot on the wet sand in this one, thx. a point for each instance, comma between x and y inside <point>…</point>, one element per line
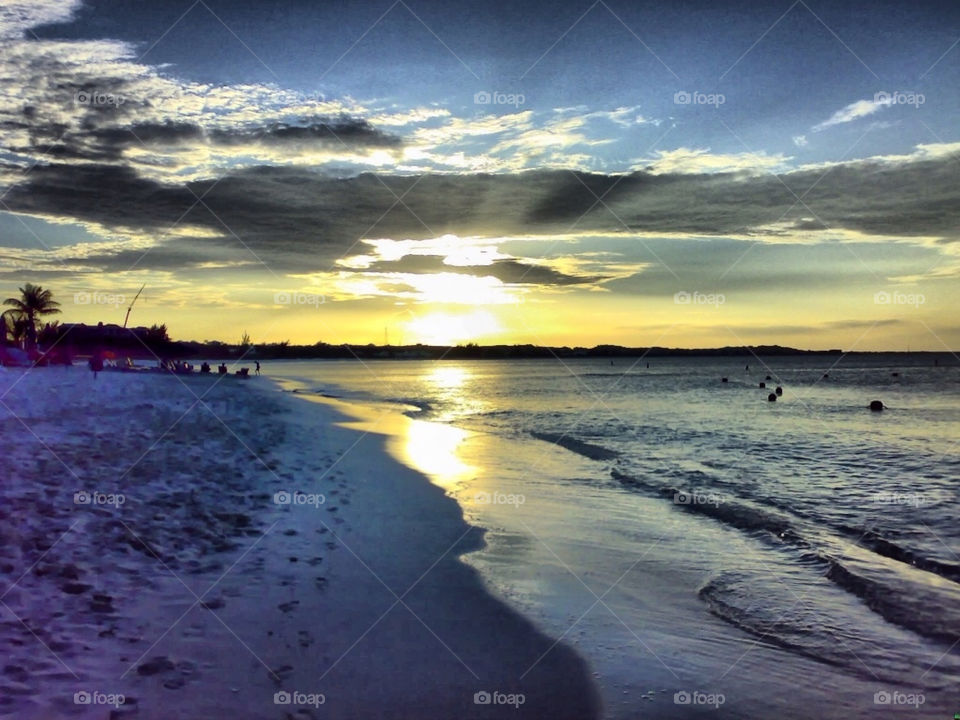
<point>192,580</point>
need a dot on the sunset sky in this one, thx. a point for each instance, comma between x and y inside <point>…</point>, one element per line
<point>692,175</point>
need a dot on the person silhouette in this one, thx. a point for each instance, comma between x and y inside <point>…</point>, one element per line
<point>258,366</point>
<point>96,363</point>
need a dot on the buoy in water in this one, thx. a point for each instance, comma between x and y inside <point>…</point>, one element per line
<point>826,375</point>
<point>895,374</point>
<point>763,384</point>
<point>876,405</point>
<point>772,397</point>
<point>723,380</point>
<point>768,378</point>
<point>779,390</point>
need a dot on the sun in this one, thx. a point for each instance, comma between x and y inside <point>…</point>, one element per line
<point>446,328</point>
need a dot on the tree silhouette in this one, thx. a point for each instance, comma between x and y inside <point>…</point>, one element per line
<point>25,312</point>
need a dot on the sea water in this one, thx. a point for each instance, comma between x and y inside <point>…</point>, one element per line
<point>703,547</point>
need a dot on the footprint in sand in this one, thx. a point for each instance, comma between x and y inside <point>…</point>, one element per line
<point>158,664</point>
<point>214,604</point>
<point>282,672</point>
<point>101,603</point>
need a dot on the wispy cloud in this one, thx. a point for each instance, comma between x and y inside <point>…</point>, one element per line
<point>853,111</point>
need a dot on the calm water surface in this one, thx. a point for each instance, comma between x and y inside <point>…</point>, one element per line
<point>689,536</point>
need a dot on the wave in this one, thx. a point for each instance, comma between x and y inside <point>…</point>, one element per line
<point>901,595</point>
<point>588,450</point>
<point>817,628</point>
<point>738,513</point>
<point>316,391</point>
<point>419,407</point>
<point>730,597</point>
<point>886,577</point>
<point>889,549</point>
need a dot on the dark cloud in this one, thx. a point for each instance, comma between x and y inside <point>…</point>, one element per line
<point>505,270</point>
<point>345,132</point>
<point>294,217</point>
<point>107,143</point>
<point>113,195</point>
<point>348,132</point>
<point>168,133</point>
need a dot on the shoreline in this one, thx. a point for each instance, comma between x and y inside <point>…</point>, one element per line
<point>561,674</point>
<point>579,533</point>
<point>200,595</point>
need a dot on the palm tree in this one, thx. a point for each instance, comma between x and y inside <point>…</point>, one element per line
<point>15,326</point>
<point>34,302</point>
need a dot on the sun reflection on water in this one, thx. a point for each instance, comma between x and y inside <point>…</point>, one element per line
<point>432,448</point>
<point>448,377</point>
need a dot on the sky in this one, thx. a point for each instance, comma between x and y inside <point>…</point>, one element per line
<point>695,174</point>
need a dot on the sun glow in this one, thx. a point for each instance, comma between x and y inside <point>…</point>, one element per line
<point>443,328</point>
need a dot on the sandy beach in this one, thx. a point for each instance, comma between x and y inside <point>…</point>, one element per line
<point>197,547</point>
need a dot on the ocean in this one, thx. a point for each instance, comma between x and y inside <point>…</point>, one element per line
<point>701,546</point>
